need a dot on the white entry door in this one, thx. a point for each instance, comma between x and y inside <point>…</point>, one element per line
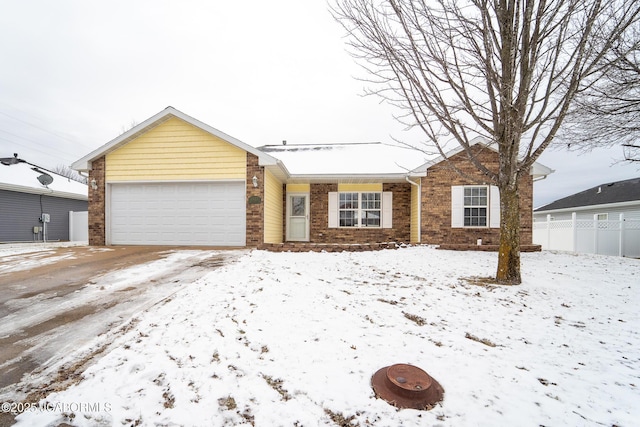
<point>298,217</point>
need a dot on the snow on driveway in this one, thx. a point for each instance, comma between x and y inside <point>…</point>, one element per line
<point>48,316</point>
<point>12,259</point>
<point>283,339</point>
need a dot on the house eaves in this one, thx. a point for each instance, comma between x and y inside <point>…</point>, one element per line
<point>42,191</point>
<point>605,194</point>
<point>538,170</point>
<point>84,164</point>
<point>351,178</point>
<point>602,207</point>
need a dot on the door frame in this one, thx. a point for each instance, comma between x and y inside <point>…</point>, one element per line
<point>288,217</point>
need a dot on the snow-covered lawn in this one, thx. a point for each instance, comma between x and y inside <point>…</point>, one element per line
<point>292,339</point>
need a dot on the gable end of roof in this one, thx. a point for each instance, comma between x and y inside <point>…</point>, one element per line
<point>84,164</point>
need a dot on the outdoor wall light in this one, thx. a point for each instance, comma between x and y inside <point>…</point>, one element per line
<point>255,181</point>
<point>94,184</point>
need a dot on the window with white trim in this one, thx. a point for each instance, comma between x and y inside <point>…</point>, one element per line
<point>359,209</point>
<point>475,206</point>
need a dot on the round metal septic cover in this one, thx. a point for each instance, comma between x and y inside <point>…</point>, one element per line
<point>407,386</point>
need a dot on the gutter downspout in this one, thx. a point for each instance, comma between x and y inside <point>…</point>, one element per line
<point>419,207</point>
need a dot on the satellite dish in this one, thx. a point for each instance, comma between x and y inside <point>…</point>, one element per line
<point>45,179</point>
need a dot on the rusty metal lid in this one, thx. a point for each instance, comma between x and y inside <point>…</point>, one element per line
<point>407,386</point>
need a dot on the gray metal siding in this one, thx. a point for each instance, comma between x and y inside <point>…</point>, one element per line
<point>19,213</point>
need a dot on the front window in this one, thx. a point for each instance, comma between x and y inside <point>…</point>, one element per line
<point>348,209</point>
<point>359,209</point>
<point>475,206</point>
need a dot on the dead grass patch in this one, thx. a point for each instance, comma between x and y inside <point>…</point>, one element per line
<point>415,318</point>
<point>228,402</point>
<point>340,419</point>
<point>276,384</point>
<point>485,282</point>
<point>480,340</point>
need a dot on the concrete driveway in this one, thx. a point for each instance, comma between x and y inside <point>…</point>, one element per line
<point>54,302</point>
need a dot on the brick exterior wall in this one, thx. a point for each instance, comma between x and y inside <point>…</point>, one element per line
<point>255,212</point>
<point>319,231</point>
<point>436,203</point>
<point>97,225</point>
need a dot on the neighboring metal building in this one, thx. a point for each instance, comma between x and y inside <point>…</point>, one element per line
<point>26,204</point>
<point>604,220</point>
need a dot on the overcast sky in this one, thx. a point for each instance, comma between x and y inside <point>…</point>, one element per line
<point>76,74</point>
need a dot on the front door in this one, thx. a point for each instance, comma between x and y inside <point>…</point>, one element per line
<point>298,217</point>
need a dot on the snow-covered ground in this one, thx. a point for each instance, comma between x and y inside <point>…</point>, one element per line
<point>284,339</point>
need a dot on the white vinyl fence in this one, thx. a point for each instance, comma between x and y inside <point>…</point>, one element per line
<point>78,226</point>
<point>619,237</point>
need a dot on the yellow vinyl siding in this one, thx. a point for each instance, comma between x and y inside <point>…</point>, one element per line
<point>415,214</point>
<point>176,150</point>
<point>273,209</point>
<point>360,187</point>
<point>298,188</point>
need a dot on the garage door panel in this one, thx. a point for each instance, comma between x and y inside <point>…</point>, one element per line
<point>178,214</point>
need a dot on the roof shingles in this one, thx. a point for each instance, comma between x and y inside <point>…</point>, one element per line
<point>613,192</point>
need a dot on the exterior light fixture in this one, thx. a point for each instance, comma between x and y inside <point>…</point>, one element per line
<point>255,181</point>
<point>94,184</point>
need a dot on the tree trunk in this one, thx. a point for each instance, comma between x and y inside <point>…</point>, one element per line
<point>509,253</point>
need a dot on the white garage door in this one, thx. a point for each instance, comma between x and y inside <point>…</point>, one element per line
<point>178,214</point>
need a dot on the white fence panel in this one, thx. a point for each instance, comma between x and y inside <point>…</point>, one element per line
<point>78,226</point>
<point>631,243</point>
<point>605,237</point>
<point>585,239</point>
<point>608,237</point>
<point>561,235</point>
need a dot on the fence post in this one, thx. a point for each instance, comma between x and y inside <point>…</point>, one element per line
<point>595,233</point>
<point>621,236</point>
<point>548,232</point>
<point>574,231</point>
<point>71,226</point>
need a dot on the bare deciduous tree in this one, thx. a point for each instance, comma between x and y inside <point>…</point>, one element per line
<point>506,70</point>
<point>607,113</point>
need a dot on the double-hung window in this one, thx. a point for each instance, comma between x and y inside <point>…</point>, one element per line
<point>359,209</point>
<point>475,206</point>
<point>348,209</point>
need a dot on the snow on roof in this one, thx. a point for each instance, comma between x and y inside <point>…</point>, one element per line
<point>371,158</point>
<point>22,178</point>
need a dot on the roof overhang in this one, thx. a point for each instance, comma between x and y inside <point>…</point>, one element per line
<point>538,170</point>
<point>84,164</point>
<point>42,191</point>
<point>590,207</point>
<point>351,178</point>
